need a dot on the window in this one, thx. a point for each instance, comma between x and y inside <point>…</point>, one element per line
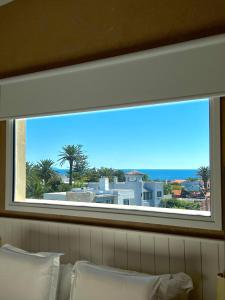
<point>147,195</point>
<point>126,202</point>
<point>133,138</point>
<point>159,194</point>
<point>91,159</point>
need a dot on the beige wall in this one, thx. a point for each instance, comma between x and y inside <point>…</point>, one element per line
<point>20,177</point>
<point>42,34</point>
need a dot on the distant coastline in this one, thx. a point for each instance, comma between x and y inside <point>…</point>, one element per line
<point>156,174</point>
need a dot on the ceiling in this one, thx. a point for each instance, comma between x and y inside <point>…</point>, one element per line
<point>37,35</point>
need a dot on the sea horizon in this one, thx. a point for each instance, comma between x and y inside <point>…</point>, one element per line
<point>156,174</point>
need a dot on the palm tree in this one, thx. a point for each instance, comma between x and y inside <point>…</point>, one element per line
<point>34,187</point>
<point>73,154</point>
<point>45,170</point>
<point>29,168</point>
<point>204,173</point>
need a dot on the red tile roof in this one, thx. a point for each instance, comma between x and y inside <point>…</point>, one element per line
<point>178,181</point>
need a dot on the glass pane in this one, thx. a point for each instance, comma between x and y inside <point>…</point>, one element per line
<point>149,156</point>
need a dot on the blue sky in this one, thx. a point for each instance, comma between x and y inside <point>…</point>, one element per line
<point>171,136</point>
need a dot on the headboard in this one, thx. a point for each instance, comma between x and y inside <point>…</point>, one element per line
<point>146,252</point>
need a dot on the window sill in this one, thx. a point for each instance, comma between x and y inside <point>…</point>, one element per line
<point>150,216</point>
<point>123,208</point>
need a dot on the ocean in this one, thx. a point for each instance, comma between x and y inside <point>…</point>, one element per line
<point>167,174</point>
<point>157,174</point>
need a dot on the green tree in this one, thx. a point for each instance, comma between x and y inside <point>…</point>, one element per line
<point>145,177</point>
<point>191,179</point>
<point>204,173</point>
<point>80,164</point>
<point>54,184</point>
<point>106,172</point>
<point>34,186</point>
<point>120,175</point>
<point>92,175</point>
<point>167,188</point>
<point>41,178</point>
<point>73,154</point>
<point>180,204</point>
<point>45,170</point>
<point>110,173</point>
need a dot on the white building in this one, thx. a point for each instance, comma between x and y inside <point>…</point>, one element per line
<point>133,191</point>
<point>147,193</point>
<point>100,193</point>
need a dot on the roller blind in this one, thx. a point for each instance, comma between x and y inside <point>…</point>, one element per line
<point>188,70</point>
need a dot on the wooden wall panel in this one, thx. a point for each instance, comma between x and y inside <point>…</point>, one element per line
<point>85,243</point>
<point>44,245</point>
<point>133,251</point>
<point>147,249</point>
<point>151,253</point>
<point>121,257</point>
<point>37,35</point>
<point>96,246</point>
<point>74,243</point>
<point>193,263</point>
<point>162,255</point>
<point>108,247</point>
<point>209,269</point>
<point>177,255</point>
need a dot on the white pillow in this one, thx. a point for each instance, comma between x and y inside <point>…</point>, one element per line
<point>25,276</point>
<point>92,282</point>
<point>174,285</point>
<point>64,285</point>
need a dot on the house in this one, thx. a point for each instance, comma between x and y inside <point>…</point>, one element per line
<point>176,193</point>
<point>147,193</point>
<point>192,186</point>
<point>133,191</point>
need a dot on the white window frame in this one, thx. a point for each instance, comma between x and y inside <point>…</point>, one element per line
<point>162,216</point>
<point>191,70</point>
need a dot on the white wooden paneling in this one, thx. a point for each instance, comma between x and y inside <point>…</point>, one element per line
<point>108,247</point>
<point>121,257</point>
<point>151,253</point>
<point>177,255</point>
<point>96,246</point>
<point>193,262</point>
<point>133,251</point>
<point>74,243</point>
<point>148,253</point>
<point>209,253</point>
<point>85,243</point>
<point>162,255</point>
<point>34,236</point>
<point>44,244</point>
<point>64,242</point>
<point>53,237</point>
<point>16,233</point>
<point>26,236</point>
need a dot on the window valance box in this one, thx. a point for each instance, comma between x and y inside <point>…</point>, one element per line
<point>187,70</point>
